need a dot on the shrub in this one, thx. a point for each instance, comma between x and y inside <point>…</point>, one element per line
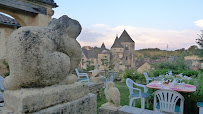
<point>193,98</point>
<point>7,66</point>
<point>185,72</point>
<point>178,64</point>
<point>133,75</point>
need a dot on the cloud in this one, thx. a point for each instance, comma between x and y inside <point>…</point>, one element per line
<point>199,23</point>
<point>101,25</point>
<point>143,37</point>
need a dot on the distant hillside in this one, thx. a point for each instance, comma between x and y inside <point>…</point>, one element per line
<point>156,53</point>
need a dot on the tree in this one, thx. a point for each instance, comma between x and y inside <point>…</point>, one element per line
<point>200,43</point>
<point>192,50</point>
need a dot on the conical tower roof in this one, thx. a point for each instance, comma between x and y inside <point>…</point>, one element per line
<point>103,46</point>
<point>117,43</point>
<point>125,37</point>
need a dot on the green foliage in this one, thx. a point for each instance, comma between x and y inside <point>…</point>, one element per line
<point>185,72</point>
<point>7,66</point>
<point>165,65</point>
<point>200,85</point>
<point>200,43</point>
<point>109,65</point>
<point>90,67</point>
<point>5,63</point>
<point>192,50</point>
<point>193,98</point>
<point>133,75</point>
<point>155,53</point>
<point>6,74</point>
<point>177,67</point>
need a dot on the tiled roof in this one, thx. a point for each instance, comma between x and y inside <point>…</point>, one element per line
<point>93,52</point>
<point>117,43</point>
<point>85,52</point>
<point>8,21</point>
<point>125,37</point>
<point>16,5</point>
<point>49,2</point>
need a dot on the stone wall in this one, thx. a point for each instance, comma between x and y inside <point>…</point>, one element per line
<point>5,32</point>
<point>74,99</point>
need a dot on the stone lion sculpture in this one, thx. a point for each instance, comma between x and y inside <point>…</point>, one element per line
<point>112,94</point>
<point>41,57</point>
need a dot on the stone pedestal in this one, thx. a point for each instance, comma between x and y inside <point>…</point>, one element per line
<point>108,109</point>
<point>73,98</point>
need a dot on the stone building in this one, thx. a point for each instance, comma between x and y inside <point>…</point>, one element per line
<point>194,62</point>
<point>122,52</point>
<point>24,13</point>
<point>94,56</point>
<point>120,56</point>
<point>7,26</point>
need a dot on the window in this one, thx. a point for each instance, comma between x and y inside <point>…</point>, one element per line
<point>126,47</point>
<point>82,61</point>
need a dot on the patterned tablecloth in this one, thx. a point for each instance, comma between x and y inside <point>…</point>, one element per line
<point>187,88</point>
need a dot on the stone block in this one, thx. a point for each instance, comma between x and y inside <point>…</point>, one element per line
<point>95,87</point>
<point>107,111</point>
<point>34,99</point>
<point>108,108</point>
<point>84,105</point>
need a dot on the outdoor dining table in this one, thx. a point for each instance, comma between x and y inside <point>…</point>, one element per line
<point>179,87</point>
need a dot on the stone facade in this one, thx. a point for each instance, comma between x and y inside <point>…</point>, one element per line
<point>144,67</point>
<point>29,12</point>
<point>7,26</point>
<point>94,56</point>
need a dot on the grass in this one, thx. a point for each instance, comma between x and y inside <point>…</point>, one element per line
<point>124,96</point>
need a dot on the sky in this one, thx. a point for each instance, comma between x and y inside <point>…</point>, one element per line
<point>150,23</point>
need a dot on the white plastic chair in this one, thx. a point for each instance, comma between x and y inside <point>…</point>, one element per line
<point>167,100</point>
<point>200,105</point>
<point>2,88</point>
<point>137,95</point>
<point>148,78</point>
<point>83,77</point>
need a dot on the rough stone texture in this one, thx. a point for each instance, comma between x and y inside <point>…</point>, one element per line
<point>95,87</point>
<point>41,57</point>
<point>84,105</point>
<point>99,79</point>
<point>96,71</point>
<point>107,111</point>
<point>109,106</point>
<point>32,100</point>
<point>112,94</point>
<point>96,75</point>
